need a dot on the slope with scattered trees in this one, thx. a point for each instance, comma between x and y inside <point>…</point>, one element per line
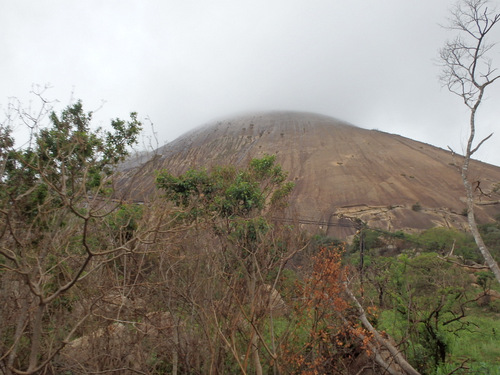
<point>195,281</point>
<point>207,277</point>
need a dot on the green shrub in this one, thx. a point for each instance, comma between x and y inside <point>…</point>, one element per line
<point>417,207</point>
<point>443,240</point>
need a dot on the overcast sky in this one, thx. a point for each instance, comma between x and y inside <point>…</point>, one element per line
<point>183,63</point>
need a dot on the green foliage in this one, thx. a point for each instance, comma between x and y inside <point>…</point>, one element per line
<point>372,239</point>
<point>236,204</point>
<point>484,279</point>
<point>68,159</point>
<point>443,240</point>
<point>124,221</point>
<point>54,229</point>
<point>182,190</point>
<point>320,241</point>
<point>440,240</point>
<point>479,345</point>
<point>482,368</point>
<point>227,191</point>
<point>423,298</point>
<point>229,212</point>
<point>416,207</point>
<point>428,300</point>
<point>70,146</point>
<point>242,196</point>
<point>399,234</point>
<point>247,232</point>
<point>491,236</point>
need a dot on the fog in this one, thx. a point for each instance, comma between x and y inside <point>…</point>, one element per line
<point>184,63</point>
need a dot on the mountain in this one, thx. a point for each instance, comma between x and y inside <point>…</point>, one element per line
<point>341,172</point>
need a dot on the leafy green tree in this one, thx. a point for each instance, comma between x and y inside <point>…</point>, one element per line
<point>226,191</point>
<point>448,241</point>
<point>55,195</point>
<point>484,281</point>
<point>245,251</point>
<point>429,298</point>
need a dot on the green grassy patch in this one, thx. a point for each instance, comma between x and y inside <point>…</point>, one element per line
<point>482,343</point>
<point>477,347</point>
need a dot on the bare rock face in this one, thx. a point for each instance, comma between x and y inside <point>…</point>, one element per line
<point>341,172</point>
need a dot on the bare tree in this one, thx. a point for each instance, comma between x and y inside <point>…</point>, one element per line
<point>467,72</point>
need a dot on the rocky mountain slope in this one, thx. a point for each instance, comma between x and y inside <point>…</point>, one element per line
<point>341,172</point>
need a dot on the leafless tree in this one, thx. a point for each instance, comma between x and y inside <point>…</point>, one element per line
<point>467,72</point>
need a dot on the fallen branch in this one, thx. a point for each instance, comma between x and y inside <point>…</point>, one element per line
<point>396,354</point>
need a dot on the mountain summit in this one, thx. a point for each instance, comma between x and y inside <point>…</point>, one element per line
<point>341,172</point>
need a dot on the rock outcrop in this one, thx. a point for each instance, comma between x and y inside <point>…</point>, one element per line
<point>341,172</point>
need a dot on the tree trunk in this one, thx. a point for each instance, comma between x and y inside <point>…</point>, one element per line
<point>36,338</point>
<point>255,354</point>
<point>254,298</point>
<point>490,262</point>
<point>20,326</point>
<point>396,354</point>
<point>467,72</point>
<point>175,349</point>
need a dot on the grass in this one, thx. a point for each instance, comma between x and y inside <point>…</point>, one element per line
<point>482,345</point>
<point>474,368</point>
<point>478,346</point>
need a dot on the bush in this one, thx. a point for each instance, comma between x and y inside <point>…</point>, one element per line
<point>443,240</point>
<point>417,207</point>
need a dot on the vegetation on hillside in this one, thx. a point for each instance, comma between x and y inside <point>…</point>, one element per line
<point>194,282</point>
<point>54,208</point>
<point>202,280</point>
<point>433,298</point>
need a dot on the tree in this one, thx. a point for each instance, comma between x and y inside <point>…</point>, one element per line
<point>467,72</point>
<point>429,299</point>
<point>334,341</point>
<point>242,253</point>
<point>55,200</point>
<point>320,341</point>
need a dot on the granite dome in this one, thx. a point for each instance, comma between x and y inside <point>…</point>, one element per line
<point>340,170</point>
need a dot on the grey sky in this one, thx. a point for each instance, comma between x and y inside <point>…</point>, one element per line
<point>187,62</point>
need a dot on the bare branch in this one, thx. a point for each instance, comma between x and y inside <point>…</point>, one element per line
<point>398,357</point>
<point>467,71</point>
<point>480,143</point>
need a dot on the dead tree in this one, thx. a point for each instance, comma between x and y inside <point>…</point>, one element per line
<point>468,72</point>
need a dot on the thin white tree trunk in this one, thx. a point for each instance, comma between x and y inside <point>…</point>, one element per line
<point>490,261</point>
<point>396,354</point>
